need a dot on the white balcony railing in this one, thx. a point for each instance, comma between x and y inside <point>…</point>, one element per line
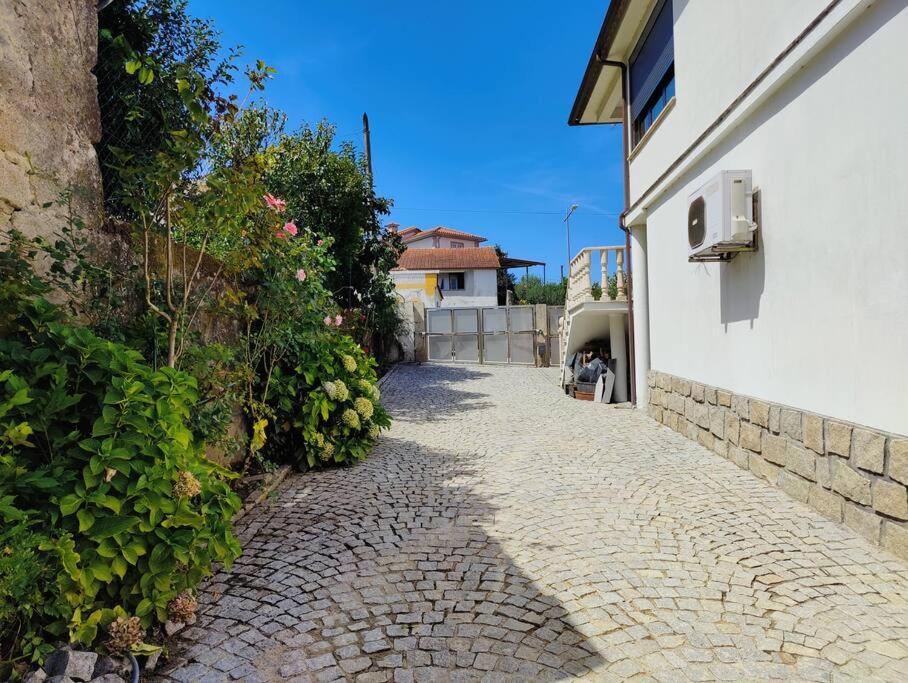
<point>580,280</point>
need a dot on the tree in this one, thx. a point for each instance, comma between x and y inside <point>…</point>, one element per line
<point>327,189</point>
<point>144,46</point>
<point>505,278</point>
<point>532,290</point>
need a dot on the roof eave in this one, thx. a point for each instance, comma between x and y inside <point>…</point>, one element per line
<point>425,234</point>
<point>610,25</point>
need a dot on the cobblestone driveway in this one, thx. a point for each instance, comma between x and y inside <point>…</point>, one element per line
<point>502,531</point>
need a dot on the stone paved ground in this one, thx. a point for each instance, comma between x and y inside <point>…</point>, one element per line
<point>502,531</point>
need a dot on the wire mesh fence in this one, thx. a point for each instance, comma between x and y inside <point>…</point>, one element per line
<point>136,118</point>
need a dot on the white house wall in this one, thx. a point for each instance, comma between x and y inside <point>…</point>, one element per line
<point>443,242</point>
<point>818,317</point>
<point>480,288</point>
<point>720,47</point>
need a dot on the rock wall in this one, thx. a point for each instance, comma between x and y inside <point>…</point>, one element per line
<point>850,473</point>
<point>49,117</point>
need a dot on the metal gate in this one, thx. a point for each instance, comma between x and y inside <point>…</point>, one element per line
<point>497,334</point>
<point>553,340</point>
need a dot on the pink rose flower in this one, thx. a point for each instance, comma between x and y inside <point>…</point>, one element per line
<point>290,228</point>
<point>338,320</point>
<point>301,275</point>
<point>280,234</point>
<point>273,202</point>
<point>320,243</point>
<point>328,320</point>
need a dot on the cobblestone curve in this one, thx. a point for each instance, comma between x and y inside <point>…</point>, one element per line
<point>502,531</point>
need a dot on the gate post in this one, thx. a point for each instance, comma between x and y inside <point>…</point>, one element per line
<point>420,343</point>
<point>542,336</point>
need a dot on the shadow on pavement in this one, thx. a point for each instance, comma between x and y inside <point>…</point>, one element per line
<point>438,395</point>
<point>384,566</point>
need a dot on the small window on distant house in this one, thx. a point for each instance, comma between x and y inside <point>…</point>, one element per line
<point>652,71</point>
<point>457,245</point>
<point>451,281</point>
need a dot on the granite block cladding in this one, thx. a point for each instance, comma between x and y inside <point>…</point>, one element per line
<point>849,473</point>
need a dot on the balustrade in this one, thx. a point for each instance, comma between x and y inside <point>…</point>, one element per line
<point>580,280</point>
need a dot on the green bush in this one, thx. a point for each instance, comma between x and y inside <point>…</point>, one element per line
<point>596,291</point>
<point>532,290</point>
<point>99,455</point>
<point>27,595</point>
<point>327,408</point>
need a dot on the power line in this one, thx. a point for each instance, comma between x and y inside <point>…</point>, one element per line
<point>515,211</point>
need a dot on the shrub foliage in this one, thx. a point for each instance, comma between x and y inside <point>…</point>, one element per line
<point>97,450</point>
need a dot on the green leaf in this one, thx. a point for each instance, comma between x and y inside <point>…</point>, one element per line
<point>101,571</point>
<point>106,549</point>
<point>118,566</point>
<point>111,503</point>
<point>86,519</point>
<point>185,518</point>
<point>144,607</point>
<point>113,525</point>
<point>69,504</point>
<point>160,560</point>
<point>144,649</point>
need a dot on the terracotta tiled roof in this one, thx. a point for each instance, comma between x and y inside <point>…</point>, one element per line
<point>412,230</point>
<point>446,258</point>
<point>441,231</point>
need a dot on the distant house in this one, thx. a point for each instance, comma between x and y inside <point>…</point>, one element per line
<point>447,268</point>
<point>764,185</point>
<point>439,237</point>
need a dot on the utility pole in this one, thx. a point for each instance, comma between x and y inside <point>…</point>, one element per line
<point>367,144</point>
<point>567,221</point>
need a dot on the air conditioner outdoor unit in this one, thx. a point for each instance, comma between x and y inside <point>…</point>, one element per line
<point>720,218</point>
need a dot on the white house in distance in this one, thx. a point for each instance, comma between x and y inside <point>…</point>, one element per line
<point>765,197</point>
<point>447,268</point>
<point>437,238</point>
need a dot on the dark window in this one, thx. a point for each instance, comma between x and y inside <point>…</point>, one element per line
<point>457,245</point>
<point>652,70</point>
<point>660,99</point>
<point>451,281</point>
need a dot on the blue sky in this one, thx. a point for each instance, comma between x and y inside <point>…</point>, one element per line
<point>467,101</point>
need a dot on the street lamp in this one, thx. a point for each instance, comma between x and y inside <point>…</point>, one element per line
<point>567,221</point>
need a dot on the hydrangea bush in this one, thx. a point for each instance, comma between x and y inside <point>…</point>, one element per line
<point>329,408</point>
<point>98,452</point>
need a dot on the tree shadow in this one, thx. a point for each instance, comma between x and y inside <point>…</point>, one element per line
<point>440,393</point>
<point>392,564</point>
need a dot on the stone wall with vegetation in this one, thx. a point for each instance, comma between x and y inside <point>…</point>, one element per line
<point>49,119</point>
<point>849,473</point>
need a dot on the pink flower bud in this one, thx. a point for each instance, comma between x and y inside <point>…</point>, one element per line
<point>290,228</point>
<point>301,275</point>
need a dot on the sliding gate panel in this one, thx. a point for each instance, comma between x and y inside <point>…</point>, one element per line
<point>554,338</point>
<point>440,334</point>
<point>496,334</point>
<point>522,335</point>
<point>466,335</point>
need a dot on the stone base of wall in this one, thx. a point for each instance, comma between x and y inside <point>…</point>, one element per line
<point>849,473</point>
